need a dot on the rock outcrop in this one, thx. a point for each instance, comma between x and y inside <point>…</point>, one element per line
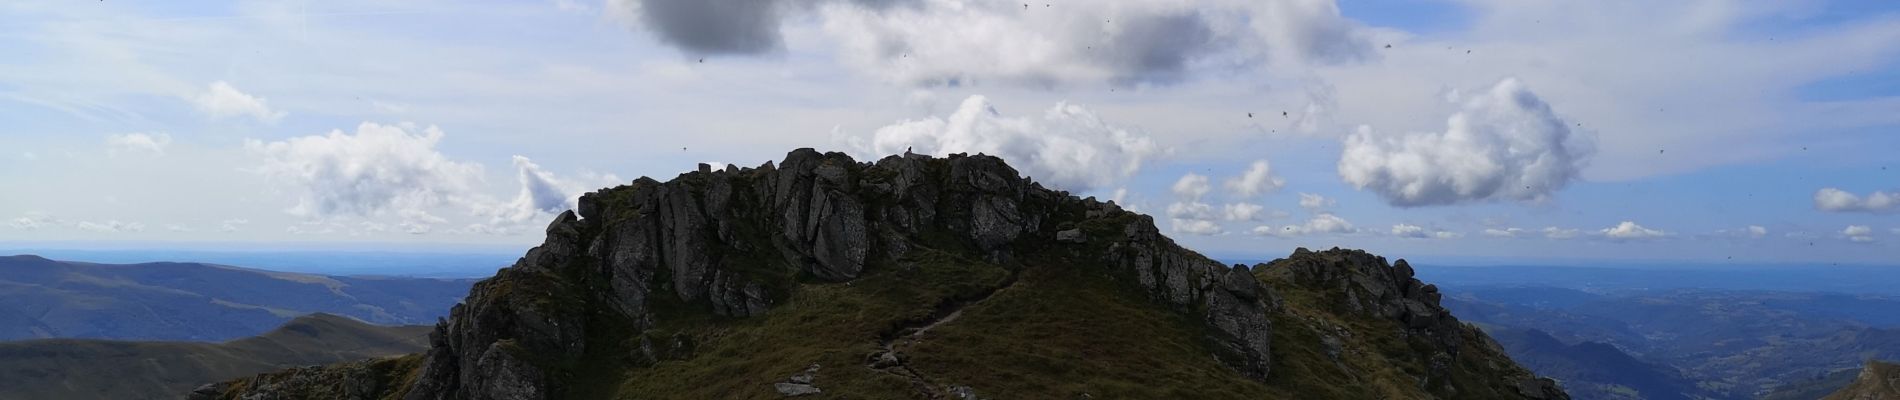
<point>1877,381</point>
<point>737,243</point>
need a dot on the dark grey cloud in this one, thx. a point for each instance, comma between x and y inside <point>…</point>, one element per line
<point>716,26</point>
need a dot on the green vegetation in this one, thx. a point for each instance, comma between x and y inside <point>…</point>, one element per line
<point>837,326</point>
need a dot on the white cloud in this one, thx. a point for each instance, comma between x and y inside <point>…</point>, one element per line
<point>1258,179</point>
<point>1629,230</point>
<point>1191,186</point>
<point>1504,232</point>
<point>1858,233</point>
<point>138,143</point>
<point>1553,232</point>
<point>1191,210</point>
<point>33,221</point>
<point>1836,200</point>
<point>1197,227</point>
<point>380,170</point>
<point>1756,231</point>
<point>29,156</point>
<point>1506,144</point>
<point>1315,203</point>
<point>112,226</point>
<point>1250,212</point>
<point>232,225</point>
<point>1188,214</point>
<point>1068,147</point>
<point>1415,231</point>
<point>540,193</point>
<point>178,228</point>
<point>1324,223</point>
<point>221,100</point>
<point>1404,230</point>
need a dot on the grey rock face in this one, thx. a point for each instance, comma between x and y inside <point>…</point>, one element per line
<point>1366,285</point>
<point>795,389</point>
<point>959,392</point>
<point>1372,286</point>
<point>1071,236</point>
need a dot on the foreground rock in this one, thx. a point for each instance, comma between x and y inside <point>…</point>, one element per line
<point>1877,381</point>
<point>659,276</point>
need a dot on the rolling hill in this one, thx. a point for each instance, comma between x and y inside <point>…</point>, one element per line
<point>42,298</point>
<point>111,369</point>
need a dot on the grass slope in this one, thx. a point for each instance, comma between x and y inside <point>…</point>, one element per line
<point>1877,381</point>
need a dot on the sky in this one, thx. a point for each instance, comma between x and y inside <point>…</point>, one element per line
<point>1695,131</point>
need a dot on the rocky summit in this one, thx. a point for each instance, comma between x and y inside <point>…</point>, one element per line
<point>915,277</point>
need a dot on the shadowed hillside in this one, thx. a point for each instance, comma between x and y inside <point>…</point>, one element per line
<point>107,369</point>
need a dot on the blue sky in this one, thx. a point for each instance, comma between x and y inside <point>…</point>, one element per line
<point>1710,131</point>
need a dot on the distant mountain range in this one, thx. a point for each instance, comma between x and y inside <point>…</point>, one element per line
<point>42,298</point>
<point>1685,343</point>
<point>110,369</point>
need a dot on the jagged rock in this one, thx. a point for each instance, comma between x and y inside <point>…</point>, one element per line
<point>1369,284</point>
<point>1540,389</point>
<point>1071,236</point>
<point>963,393</point>
<point>795,389</point>
<point>1333,347</point>
<point>805,376</point>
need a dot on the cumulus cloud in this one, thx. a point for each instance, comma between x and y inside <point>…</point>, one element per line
<point>1858,233</point>
<point>1419,232</point>
<point>1504,232</point>
<point>1315,203</point>
<point>1629,230</point>
<point>1191,186</point>
<point>1324,223</point>
<point>112,226</point>
<point>379,170</point>
<point>1067,147</point>
<point>1836,200</point>
<point>137,143</point>
<point>1197,227</point>
<point>233,225</point>
<point>1505,144</point>
<point>221,100</point>
<point>1553,232</point>
<point>1188,214</point>
<point>1250,212</point>
<point>1756,231</point>
<point>542,194</point>
<point>1258,179</point>
<point>33,221</point>
<point>955,42</point>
